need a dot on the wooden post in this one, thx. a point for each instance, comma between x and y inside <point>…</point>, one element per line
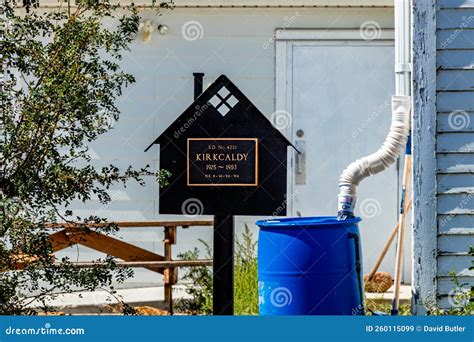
<point>425,242</point>
<point>170,273</point>
<point>401,238</point>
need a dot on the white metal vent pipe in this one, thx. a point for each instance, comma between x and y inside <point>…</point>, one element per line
<point>399,129</point>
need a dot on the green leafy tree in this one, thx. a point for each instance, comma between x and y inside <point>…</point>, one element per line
<point>62,76</point>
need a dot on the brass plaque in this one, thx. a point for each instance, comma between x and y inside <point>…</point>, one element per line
<point>222,161</point>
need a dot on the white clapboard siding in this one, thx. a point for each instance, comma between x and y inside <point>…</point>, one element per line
<point>455,145</point>
<point>245,3</point>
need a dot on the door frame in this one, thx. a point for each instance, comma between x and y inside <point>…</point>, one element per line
<point>285,40</point>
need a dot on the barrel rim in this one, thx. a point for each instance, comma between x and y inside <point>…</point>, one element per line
<point>306,221</point>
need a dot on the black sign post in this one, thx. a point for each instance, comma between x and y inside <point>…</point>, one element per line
<point>223,278</point>
<point>226,159</point>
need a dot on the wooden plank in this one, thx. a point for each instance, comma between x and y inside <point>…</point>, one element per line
<point>455,163</point>
<point>459,264</point>
<point>456,184</point>
<point>152,264</point>
<point>455,80</point>
<point>454,59</point>
<point>446,284</point>
<point>424,153</point>
<point>455,204</point>
<point>444,302</point>
<point>455,122</point>
<point>455,18</point>
<point>454,4</point>
<point>170,235</point>
<point>114,247</point>
<point>169,273</point>
<point>455,224</point>
<point>455,142</point>
<point>455,39</point>
<point>60,240</point>
<point>21,261</point>
<point>455,243</point>
<point>138,224</point>
<point>450,101</point>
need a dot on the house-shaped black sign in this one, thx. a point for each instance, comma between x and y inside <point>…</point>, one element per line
<point>225,157</point>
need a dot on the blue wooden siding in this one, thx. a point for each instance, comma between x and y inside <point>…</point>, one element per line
<point>455,143</point>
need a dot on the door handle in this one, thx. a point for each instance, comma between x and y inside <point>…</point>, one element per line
<point>300,164</point>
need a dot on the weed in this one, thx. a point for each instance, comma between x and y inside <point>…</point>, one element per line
<point>246,283</point>
<point>199,279</point>
<point>200,284</point>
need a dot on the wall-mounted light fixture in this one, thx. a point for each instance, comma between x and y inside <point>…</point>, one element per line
<point>163,29</point>
<point>147,27</point>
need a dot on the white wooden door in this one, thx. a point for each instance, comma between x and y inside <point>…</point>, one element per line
<point>336,95</point>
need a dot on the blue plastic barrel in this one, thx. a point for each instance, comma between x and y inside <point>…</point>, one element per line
<point>310,266</point>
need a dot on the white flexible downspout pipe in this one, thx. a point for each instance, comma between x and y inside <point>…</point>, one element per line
<point>399,129</point>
